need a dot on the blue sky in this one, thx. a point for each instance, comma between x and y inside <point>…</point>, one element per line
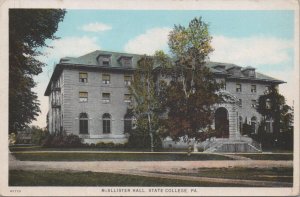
<point>261,39</point>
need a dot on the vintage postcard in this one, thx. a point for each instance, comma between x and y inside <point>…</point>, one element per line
<point>150,98</point>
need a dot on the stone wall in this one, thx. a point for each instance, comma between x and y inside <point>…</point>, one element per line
<point>94,107</point>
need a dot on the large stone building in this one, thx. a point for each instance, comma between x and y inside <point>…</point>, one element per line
<point>89,97</point>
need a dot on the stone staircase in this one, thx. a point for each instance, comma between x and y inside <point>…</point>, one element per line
<point>231,145</point>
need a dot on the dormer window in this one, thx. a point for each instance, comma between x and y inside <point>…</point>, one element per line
<point>235,70</point>
<point>249,71</point>
<point>219,67</point>
<point>125,61</point>
<point>104,60</point>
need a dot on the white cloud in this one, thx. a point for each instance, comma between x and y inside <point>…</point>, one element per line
<point>147,43</point>
<point>96,27</point>
<point>258,51</point>
<point>288,89</point>
<point>69,46</point>
<point>255,51</point>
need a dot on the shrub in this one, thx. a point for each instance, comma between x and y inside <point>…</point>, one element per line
<point>38,135</point>
<point>62,141</point>
<point>109,145</point>
<point>12,138</point>
<point>141,140</point>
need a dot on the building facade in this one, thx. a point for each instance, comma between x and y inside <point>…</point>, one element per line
<point>89,96</point>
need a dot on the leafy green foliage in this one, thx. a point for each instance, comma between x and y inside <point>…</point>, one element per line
<point>62,141</point>
<point>191,91</point>
<point>28,31</point>
<point>141,139</point>
<point>272,106</point>
<point>147,107</point>
<point>283,141</point>
<point>38,135</point>
<point>12,138</point>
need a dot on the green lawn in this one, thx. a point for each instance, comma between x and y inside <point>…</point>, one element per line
<point>40,148</point>
<point>114,156</point>
<point>269,174</point>
<point>67,178</point>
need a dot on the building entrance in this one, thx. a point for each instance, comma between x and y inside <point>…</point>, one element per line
<point>221,123</point>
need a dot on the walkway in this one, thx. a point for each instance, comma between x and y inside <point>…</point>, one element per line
<point>146,168</point>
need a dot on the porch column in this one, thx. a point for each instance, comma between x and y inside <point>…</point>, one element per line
<point>233,122</point>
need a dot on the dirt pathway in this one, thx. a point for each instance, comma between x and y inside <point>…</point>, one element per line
<point>146,168</point>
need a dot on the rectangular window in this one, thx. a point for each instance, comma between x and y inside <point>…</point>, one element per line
<point>83,77</point>
<point>83,96</point>
<point>127,98</point>
<point>105,78</point>
<point>238,87</point>
<point>267,89</point>
<point>253,103</point>
<point>106,97</point>
<point>253,88</point>
<point>127,80</point>
<point>240,102</point>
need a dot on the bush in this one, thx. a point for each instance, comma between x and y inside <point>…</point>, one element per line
<point>109,145</point>
<point>38,135</point>
<point>62,141</point>
<point>12,138</point>
<point>143,141</point>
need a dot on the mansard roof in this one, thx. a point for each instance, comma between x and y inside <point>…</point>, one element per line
<point>90,61</point>
<point>241,75</point>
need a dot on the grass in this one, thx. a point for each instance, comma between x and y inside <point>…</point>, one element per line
<point>114,156</point>
<point>281,174</point>
<point>68,178</point>
<point>267,156</point>
<point>40,148</point>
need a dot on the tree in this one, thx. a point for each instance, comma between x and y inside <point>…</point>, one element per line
<point>272,107</point>
<point>38,135</point>
<point>147,107</point>
<point>192,89</point>
<point>28,31</point>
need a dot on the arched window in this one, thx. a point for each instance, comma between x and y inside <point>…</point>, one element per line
<point>106,119</point>
<point>127,123</point>
<point>253,124</point>
<point>83,123</point>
